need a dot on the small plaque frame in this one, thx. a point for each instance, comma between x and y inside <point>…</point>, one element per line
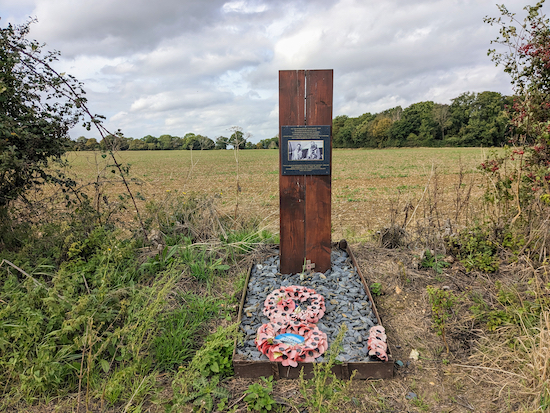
<point>305,150</point>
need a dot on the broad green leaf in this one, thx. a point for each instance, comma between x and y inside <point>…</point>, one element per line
<point>104,365</point>
<point>215,367</point>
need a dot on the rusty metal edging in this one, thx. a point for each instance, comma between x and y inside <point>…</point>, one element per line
<point>241,306</point>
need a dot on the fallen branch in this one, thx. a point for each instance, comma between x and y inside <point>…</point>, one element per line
<point>36,282</point>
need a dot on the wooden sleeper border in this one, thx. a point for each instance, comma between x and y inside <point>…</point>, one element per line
<point>245,368</point>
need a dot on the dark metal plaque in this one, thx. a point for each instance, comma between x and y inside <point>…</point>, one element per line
<point>305,150</point>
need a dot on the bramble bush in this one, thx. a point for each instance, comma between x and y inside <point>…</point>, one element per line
<point>34,116</point>
<point>519,179</point>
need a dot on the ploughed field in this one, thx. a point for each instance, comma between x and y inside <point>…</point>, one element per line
<point>370,188</point>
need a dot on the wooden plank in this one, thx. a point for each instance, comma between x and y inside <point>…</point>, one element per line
<point>291,188</point>
<point>319,92</point>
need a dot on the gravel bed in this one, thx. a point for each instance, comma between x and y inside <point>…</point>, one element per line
<point>345,299</point>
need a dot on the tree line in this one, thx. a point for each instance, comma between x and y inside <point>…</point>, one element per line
<point>472,119</point>
<point>169,142</point>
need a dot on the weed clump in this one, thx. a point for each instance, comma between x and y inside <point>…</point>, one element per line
<point>325,391</point>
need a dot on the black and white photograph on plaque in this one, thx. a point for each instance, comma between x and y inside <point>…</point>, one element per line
<point>306,150</point>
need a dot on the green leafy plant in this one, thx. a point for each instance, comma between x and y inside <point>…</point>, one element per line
<point>199,380</point>
<point>161,260</point>
<point>376,289</point>
<point>518,181</point>
<point>442,302</point>
<point>258,397</point>
<point>324,391</point>
<point>434,261</point>
<point>420,404</point>
<point>203,264</point>
<point>205,392</point>
<point>65,328</point>
<point>37,109</point>
<point>477,249</point>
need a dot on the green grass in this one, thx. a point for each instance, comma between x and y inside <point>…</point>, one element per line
<point>84,311</point>
<point>180,327</point>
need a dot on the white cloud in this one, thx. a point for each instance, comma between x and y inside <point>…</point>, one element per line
<point>203,66</point>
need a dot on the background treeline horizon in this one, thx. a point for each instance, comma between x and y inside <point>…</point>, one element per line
<point>472,119</point>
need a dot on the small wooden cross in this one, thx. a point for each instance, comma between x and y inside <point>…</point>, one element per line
<point>308,266</point>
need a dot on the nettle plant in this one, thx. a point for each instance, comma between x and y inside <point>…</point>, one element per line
<point>522,174</point>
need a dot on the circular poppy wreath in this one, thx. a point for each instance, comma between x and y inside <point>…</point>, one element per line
<point>286,304</point>
<point>291,343</point>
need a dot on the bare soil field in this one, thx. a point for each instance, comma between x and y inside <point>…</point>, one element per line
<point>370,188</point>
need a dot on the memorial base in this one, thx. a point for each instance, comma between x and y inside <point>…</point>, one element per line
<point>369,369</point>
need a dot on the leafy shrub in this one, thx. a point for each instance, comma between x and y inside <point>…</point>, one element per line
<point>324,391</point>
<point>210,363</point>
<point>37,109</point>
<point>442,302</point>
<point>477,249</point>
<point>258,397</point>
<point>519,180</point>
<point>434,261</point>
<point>376,289</point>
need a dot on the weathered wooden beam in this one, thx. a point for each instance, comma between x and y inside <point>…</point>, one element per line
<point>305,98</point>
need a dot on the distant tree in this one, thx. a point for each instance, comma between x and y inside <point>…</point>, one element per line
<point>152,142</point>
<point>417,126</point>
<point>237,138</point>
<point>337,136</point>
<point>206,143</point>
<point>271,143</point>
<point>92,144</point>
<point>80,143</point>
<point>378,130</point>
<point>488,123</point>
<point>197,142</point>
<point>461,109</point>
<point>471,119</point>
<point>478,119</point>
<point>361,135</point>
<point>177,142</point>
<point>442,116</point>
<point>394,113</point>
<point>165,142</point>
<point>221,142</point>
<point>115,143</point>
<point>345,132</point>
<point>137,145</point>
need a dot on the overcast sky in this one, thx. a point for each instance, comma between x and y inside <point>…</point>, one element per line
<point>203,66</point>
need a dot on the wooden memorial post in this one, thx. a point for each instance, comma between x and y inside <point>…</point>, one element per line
<point>305,167</point>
